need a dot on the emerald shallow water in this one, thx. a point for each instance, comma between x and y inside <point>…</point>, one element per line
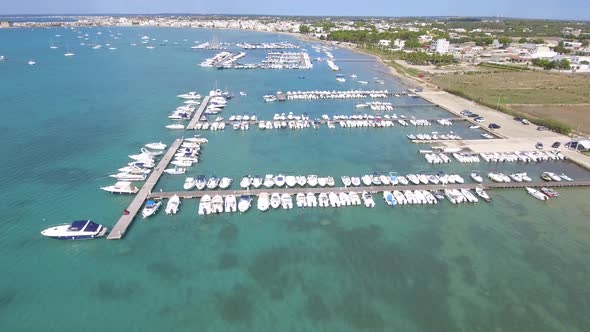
<point>515,264</point>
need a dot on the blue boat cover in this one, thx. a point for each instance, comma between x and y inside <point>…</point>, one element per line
<point>78,225</point>
<point>150,203</point>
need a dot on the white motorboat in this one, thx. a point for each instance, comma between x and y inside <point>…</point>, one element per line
<point>205,205</point>
<point>322,181</point>
<point>150,208</point>
<point>196,139</point>
<point>190,95</point>
<point>286,201</point>
<point>200,182</point>
<point>301,180</point>
<point>121,187</point>
<point>189,183</point>
<point>128,177</point>
<point>217,204</point>
<point>175,171</point>
<point>142,157</point>
<point>402,180</point>
<point>537,194</point>
<point>135,170</point>
<point>142,164</point>
<point>182,163</point>
<point>76,230</point>
<point>312,180</point>
<point>269,181</point>
<point>279,180</point>
<point>354,198</point>
<point>565,177</point>
<point>245,183</point>
<point>275,200</point>
<point>483,194</point>
<point>300,200</point>
<point>213,182</point>
<point>368,200</point>
<point>256,181</point>
<point>230,203</point>
<point>290,181</point>
<point>176,126</point>
<point>31,63</point>
<point>330,181</point>
<point>346,181</point>
<point>172,206</point>
<point>245,203</point>
<point>324,201</point>
<point>311,200</point>
<point>476,177</point>
<point>355,180</point>
<point>156,146</point>
<point>225,182</point>
<point>367,180</point>
<point>263,201</point>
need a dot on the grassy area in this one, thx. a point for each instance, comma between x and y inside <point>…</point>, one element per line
<point>539,96</point>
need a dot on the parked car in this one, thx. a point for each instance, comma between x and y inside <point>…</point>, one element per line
<point>539,146</point>
<point>555,145</point>
<point>525,122</point>
<point>542,128</point>
<point>494,126</point>
<point>466,112</point>
<point>517,118</point>
<point>473,115</point>
<point>480,119</point>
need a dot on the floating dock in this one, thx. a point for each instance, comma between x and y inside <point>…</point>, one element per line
<point>125,221</point>
<point>197,116</point>
<point>360,189</point>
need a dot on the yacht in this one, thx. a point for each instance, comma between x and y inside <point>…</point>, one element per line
<point>367,180</point>
<point>565,177</point>
<point>150,208</point>
<point>549,192</point>
<point>172,206</point>
<point>402,180</point>
<point>244,203</point>
<point>156,146</point>
<point>275,200</point>
<point>142,164</point>
<point>263,202</point>
<point>121,187</point>
<point>537,194</point>
<point>200,182</point>
<point>205,205</point>
<point>245,183</point>
<point>225,182</point>
<point>355,180</point>
<point>322,181</point>
<point>550,176</point>
<point>280,180</point>
<point>76,230</point>
<point>312,180</point>
<point>189,183</point>
<point>135,170</point>
<point>256,181</point>
<point>330,181</point>
<point>31,63</point>
<point>230,203</point>
<point>300,200</point>
<point>196,139</point>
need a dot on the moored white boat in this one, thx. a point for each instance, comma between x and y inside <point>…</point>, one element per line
<point>121,187</point>
<point>536,194</point>
<point>150,208</point>
<point>172,206</point>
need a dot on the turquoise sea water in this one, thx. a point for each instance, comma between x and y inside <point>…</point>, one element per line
<point>515,264</point>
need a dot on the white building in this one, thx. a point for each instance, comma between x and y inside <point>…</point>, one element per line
<point>542,52</point>
<point>440,46</point>
<point>384,42</point>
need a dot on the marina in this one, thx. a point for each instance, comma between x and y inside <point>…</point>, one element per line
<point>199,113</point>
<point>125,220</point>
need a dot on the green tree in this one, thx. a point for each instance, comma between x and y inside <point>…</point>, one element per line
<point>538,41</point>
<point>523,40</point>
<point>564,64</point>
<point>505,40</point>
<point>412,44</point>
<point>304,28</point>
<point>561,49</point>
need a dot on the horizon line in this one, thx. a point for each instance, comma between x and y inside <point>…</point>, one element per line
<point>292,15</point>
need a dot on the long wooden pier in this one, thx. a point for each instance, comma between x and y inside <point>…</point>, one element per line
<point>373,189</point>
<point>197,116</point>
<point>125,221</point>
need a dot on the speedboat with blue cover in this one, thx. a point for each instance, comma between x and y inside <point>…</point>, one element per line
<point>77,230</point>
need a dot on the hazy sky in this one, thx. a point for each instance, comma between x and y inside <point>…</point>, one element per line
<point>564,9</point>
